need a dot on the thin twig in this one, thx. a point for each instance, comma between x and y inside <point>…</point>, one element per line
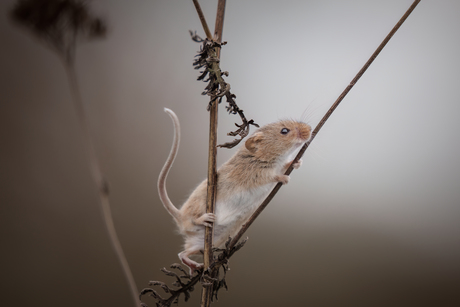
<point>206,295</point>
<point>211,190</point>
<point>202,19</point>
<point>321,123</point>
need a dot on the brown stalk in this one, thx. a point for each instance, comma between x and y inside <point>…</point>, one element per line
<point>322,122</point>
<point>206,295</point>
<point>202,19</point>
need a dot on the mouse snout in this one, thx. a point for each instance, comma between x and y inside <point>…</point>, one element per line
<point>303,133</point>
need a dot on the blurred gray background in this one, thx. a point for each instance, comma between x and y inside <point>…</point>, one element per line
<point>371,218</point>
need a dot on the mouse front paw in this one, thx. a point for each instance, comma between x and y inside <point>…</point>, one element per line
<point>294,165</point>
<point>284,179</point>
<point>298,164</point>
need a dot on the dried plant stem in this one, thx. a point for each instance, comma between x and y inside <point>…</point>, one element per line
<point>211,196</point>
<point>322,122</point>
<point>202,19</point>
<point>219,27</point>
<point>101,183</point>
<point>206,295</point>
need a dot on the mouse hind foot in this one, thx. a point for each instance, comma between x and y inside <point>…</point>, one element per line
<point>193,265</point>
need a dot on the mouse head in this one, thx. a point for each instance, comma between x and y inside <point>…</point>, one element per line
<point>277,140</point>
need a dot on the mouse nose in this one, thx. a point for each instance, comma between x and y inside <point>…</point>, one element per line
<point>303,133</point>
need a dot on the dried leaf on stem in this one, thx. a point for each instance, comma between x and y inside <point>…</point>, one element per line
<point>186,283</point>
<point>217,88</point>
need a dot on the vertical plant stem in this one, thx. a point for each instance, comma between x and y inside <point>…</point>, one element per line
<point>99,180</point>
<point>211,197</point>
<point>322,122</point>
<point>219,27</point>
<point>206,295</point>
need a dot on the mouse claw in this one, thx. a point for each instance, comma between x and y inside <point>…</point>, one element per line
<point>294,165</point>
<point>298,164</point>
<point>206,224</point>
<point>206,219</point>
<point>284,179</point>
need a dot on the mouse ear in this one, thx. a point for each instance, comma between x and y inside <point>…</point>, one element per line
<point>251,143</point>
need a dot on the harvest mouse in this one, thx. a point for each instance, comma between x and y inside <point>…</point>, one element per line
<point>242,183</point>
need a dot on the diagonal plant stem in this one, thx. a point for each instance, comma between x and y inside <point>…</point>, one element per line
<point>202,19</point>
<point>322,122</point>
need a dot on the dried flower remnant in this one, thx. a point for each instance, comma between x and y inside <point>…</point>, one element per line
<point>59,23</point>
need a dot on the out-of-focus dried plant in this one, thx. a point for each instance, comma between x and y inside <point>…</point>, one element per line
<point>61,24</point>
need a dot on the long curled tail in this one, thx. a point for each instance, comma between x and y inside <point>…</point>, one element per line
<point>167,166</point>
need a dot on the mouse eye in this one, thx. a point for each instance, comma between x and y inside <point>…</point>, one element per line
<point>285,131</point>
